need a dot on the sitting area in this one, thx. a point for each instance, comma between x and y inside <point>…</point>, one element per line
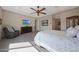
<point>10,32</point>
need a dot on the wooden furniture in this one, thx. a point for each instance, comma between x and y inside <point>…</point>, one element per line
<point>26,29</point>
<point>72,21</point>
<point>56,24</point>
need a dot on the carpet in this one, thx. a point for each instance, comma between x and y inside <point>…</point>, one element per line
<point>22,43</point>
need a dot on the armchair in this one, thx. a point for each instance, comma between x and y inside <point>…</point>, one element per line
<point>10,34</point>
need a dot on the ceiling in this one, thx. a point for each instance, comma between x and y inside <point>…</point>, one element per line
<point>25,10</point>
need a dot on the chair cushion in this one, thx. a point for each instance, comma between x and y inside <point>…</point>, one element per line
<point>10,29</point>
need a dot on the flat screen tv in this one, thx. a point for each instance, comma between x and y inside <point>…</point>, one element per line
<point>25,22</point>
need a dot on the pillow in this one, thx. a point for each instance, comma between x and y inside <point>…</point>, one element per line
<point>77,27</point>
<point>72,32</point>
<point>78,36</point>
<point>10,28</point>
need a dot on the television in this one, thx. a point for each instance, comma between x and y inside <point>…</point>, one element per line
<point>25,22</point>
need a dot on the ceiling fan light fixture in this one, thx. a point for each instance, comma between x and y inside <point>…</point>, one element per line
<point>39,11</point>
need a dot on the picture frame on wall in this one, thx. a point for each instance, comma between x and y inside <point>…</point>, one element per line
<point>44,22</point>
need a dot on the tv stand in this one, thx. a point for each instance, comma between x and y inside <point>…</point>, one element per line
<point>26,29</point>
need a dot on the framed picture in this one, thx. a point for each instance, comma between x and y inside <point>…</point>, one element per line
<point>44,22</point>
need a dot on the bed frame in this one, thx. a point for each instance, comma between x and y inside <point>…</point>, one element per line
<point>72,21</point>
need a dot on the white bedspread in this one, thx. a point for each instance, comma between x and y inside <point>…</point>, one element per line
<point>56,41</point>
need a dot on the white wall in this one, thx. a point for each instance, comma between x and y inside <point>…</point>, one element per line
<point>61,15</point>
<point>40,27</point>
<point>0,12</point>
<point>15,20</point>
<point>65,14</point>
<point>0,25</point>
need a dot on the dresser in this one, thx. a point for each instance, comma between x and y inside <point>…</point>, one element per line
<point>26,29</point>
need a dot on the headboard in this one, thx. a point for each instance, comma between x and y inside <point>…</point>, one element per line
<point>72,21</point>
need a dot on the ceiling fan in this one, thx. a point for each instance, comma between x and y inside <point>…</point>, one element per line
<point>38,11</point>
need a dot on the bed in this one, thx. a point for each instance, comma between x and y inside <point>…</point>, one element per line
<point>56,41</point>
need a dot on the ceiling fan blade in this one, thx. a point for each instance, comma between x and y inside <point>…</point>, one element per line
<point>33,13</point>
<point>42,9</point>
<point>43,13</point>
<point>33,9</point>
